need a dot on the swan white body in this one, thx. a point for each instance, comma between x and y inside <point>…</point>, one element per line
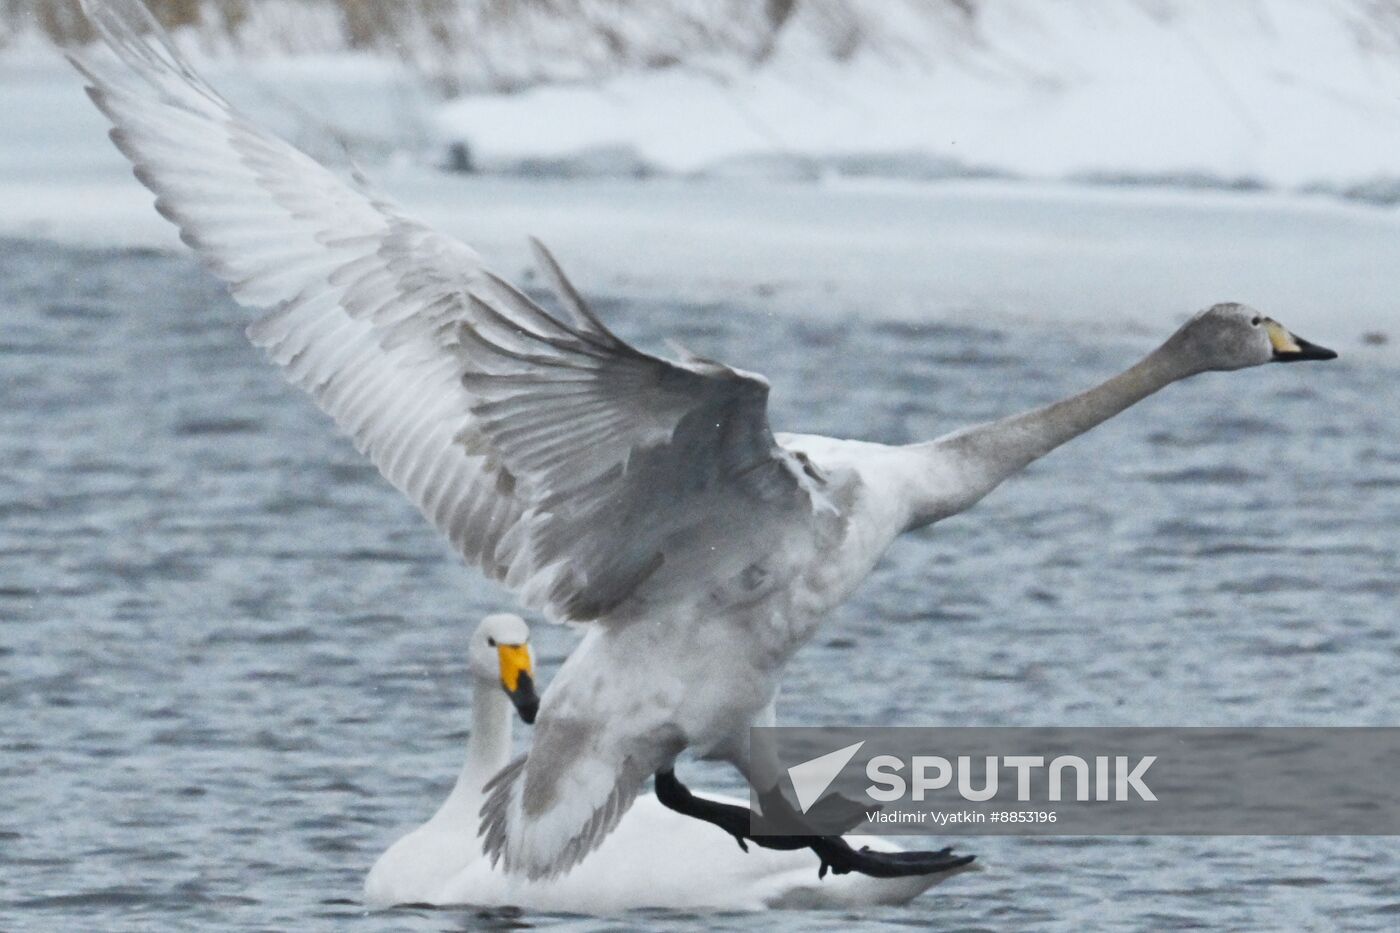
<point>655,858</point>
<point>659,858</point>
<point>602,484</point>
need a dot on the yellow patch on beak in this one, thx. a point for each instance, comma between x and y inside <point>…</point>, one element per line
<point>515,660</point>
<point>1281,339</point>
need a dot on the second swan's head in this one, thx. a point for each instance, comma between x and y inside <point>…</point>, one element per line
<point>1235,336</point>
<point>500,653</point>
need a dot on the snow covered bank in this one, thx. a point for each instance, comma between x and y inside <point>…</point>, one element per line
<point>1293,95</point>
<point>1241,94</point>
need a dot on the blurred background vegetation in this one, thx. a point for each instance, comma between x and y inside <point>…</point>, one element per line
<point>510,43</point>
<point>63,21</point>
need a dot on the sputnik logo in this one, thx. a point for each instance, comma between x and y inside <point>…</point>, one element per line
<point>811,778</point>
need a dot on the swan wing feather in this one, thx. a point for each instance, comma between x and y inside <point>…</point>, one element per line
<point>556,457</point>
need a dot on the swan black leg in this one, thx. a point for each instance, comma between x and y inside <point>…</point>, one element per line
<point>733,820</point>
<point>835,853</point>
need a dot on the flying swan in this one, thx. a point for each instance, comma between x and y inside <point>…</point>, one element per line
<point>603,485</point>
<point>656,858</point>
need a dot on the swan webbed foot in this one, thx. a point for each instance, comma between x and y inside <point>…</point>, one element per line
<point>835,853</point>
<point>840,858</point>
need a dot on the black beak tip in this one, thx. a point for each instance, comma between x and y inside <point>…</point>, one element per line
<point>1306,351</point>
<point>527,702</point>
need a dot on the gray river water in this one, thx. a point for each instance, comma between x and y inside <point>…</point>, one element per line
<point>232,657</point>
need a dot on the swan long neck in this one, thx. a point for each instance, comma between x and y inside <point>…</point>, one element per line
<point>972,462</point>
<point>489,745</point>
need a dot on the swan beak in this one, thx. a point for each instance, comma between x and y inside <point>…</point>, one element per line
<point>1292,349</point>
<point>518,679</point>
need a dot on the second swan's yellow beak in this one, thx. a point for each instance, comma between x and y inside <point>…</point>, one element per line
<point>518,679</point>
<point>1289,348</point>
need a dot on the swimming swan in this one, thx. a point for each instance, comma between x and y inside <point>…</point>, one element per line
<point>655,858</point>
<point>600,483</point>
<point>416,867</point>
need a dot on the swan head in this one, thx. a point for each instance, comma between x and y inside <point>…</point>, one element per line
<point>1234,336</point>
<point>500,654</point>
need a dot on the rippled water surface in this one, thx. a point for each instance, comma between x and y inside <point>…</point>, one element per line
<point>232,658</point>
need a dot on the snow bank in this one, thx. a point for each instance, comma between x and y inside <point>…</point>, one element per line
<point>1238,93</point>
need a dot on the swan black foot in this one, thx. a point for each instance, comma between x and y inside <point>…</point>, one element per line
<point>840,858</point>
<point>836,854</point>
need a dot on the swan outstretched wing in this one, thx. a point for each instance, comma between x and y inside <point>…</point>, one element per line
<point>562,461</point>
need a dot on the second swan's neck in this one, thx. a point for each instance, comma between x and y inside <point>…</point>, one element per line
<point>972,462</point>
<point>488,746</point>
